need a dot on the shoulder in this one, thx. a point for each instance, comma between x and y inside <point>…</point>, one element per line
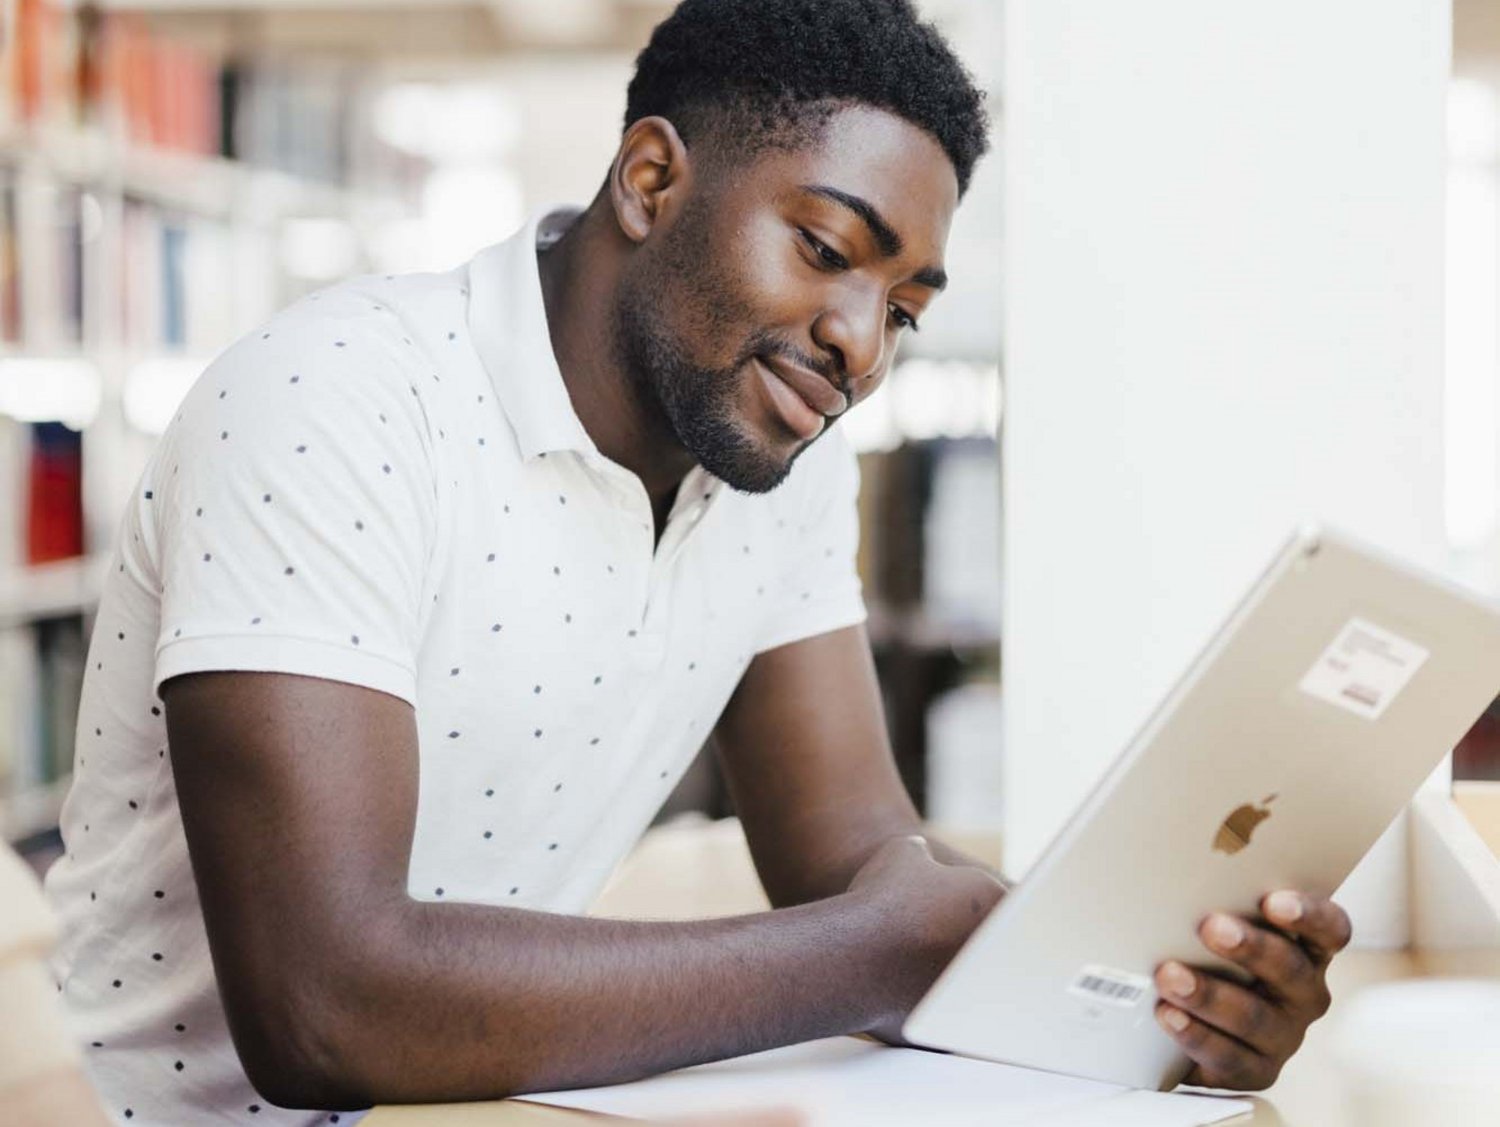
<point>343,358</point>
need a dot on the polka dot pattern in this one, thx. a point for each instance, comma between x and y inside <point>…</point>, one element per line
<point>368,496</point>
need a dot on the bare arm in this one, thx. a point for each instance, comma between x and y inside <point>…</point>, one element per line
<point>804,746</point>
<point>298,797</point>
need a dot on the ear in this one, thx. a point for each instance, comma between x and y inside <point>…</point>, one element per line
<point>651,173</point>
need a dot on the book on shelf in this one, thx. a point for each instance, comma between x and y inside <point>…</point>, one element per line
<point>42,659</point>
<point>66,66</point>
<point>54,494</point>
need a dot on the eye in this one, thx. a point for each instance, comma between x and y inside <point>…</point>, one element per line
<point>830,259</point>
<point>903,319</point>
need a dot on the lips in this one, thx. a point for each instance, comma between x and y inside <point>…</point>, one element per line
<point>814,390</point>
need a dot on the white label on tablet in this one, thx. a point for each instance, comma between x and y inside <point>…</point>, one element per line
<point>1364,669</point>
<point>1105,984</point>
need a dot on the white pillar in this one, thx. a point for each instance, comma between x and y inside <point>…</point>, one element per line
<point>1225,266</point>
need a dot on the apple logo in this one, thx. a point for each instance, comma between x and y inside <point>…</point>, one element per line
<point>1235,833</point>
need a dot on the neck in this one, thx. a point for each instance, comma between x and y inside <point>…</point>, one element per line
<point>579,275</point>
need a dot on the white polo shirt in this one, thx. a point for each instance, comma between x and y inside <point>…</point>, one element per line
<point>387,485</point>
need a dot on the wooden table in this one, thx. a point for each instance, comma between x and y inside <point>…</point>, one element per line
<point>697,870</point>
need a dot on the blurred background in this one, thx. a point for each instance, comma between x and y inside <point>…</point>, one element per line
<point>173,171</point>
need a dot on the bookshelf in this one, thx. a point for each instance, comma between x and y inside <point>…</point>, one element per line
<point>146,188</point>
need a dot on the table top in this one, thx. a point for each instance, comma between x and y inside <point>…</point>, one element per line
<point>701,869</point>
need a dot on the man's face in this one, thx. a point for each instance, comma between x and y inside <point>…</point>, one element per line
<point>775,299</point>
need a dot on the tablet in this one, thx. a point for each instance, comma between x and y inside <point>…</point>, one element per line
<point>1307,724</point>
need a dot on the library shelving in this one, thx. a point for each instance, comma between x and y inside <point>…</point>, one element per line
<point>146,190</point>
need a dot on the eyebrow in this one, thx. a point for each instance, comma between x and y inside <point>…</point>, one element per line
<point>885,236</point>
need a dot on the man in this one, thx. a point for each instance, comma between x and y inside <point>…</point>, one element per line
<point>442,580</point>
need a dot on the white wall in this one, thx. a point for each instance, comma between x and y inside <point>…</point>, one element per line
<point>1224,266</point>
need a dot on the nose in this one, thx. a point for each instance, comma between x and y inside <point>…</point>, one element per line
<point>854,331</point>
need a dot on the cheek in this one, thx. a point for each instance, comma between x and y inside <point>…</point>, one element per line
<point>775,278</point>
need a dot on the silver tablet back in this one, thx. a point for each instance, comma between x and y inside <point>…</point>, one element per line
<point>1332,692</point>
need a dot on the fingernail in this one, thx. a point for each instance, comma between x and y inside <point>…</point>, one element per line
<point>1177,979</point>
<point>1285,905</point>
<point>1175,1018</point>
<point>1225,932</point>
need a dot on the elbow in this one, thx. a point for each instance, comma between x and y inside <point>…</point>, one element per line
<point>297,1058</point>
<point>302,1035</point>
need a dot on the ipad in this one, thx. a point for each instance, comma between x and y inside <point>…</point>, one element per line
<point>1293,741</point>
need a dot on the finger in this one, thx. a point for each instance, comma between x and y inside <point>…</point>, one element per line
<point>1219,1060</point>
<point>1229,1007</point>
<point>1284,969</point>
<point>1321,925</point>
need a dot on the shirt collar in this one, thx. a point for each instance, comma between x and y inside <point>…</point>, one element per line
<point>508,324</point>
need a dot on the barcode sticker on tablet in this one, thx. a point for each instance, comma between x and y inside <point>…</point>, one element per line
<point>1105,984</point>
<point>1363,669</point>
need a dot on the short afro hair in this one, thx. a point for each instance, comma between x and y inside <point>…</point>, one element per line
<point>770,73</point>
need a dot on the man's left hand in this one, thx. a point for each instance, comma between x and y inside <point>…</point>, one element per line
<point>1239,1036</point>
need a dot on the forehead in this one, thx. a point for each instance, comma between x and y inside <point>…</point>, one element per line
<point>899,169</point>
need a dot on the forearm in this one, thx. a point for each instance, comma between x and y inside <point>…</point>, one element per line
<point>463,1002</point>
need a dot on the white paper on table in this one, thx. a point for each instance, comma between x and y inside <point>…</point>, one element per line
<point>850,1082</point>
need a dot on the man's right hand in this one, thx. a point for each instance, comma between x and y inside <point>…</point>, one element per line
<point>926,910</point>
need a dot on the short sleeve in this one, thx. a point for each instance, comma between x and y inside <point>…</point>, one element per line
<point>819,588</point>
<point>295,506</point>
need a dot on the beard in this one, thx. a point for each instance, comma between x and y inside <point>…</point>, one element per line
<point>697,405</point>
